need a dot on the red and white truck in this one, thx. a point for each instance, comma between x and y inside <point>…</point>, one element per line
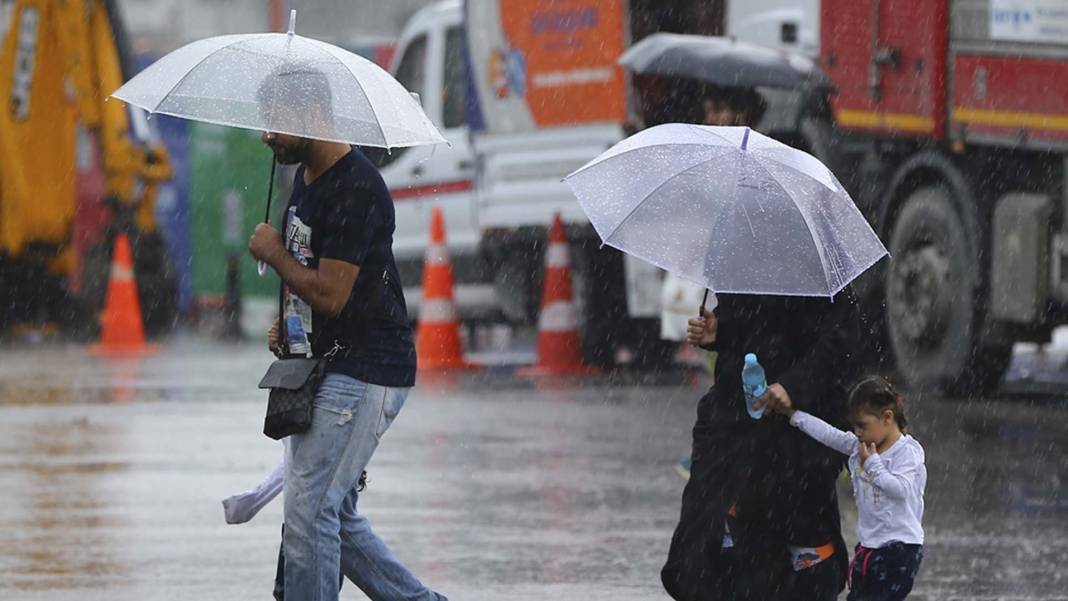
<point>952,134</point>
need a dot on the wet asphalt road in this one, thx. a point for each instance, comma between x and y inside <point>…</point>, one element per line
<point>111,475</point>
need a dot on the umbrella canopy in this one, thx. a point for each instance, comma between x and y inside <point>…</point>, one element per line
<point>283,83</point>
<point>720,61</point>
<point>727,208</point>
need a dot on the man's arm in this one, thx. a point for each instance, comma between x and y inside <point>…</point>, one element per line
<point>326,289</point>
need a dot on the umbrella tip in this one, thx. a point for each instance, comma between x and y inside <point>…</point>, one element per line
<point>745,139</point>
<point>292,21</point>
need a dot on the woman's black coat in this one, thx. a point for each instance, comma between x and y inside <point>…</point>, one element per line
<point>781,482</point>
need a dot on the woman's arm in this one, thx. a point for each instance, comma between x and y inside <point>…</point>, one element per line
<point>839,440</point>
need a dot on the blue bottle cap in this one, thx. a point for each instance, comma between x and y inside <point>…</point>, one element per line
<point>750,359</point>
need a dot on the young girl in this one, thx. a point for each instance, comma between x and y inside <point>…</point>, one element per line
<point>889,476</point>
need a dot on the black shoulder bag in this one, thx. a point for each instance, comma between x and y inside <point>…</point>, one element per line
<point>293,383</point>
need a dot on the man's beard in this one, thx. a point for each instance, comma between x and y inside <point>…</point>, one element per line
<point>292,154</point>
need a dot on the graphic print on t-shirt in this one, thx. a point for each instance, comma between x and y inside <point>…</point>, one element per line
<point>298,314</point>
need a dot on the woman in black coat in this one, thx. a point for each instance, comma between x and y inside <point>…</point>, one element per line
<point>777,484</point>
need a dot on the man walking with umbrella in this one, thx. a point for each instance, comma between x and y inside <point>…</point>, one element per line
<point>342,296</point>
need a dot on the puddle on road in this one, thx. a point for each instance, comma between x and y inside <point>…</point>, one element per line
<point>57,506</point>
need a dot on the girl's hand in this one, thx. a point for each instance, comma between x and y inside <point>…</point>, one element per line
<point>867,450</point>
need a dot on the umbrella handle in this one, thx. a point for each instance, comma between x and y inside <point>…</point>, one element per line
<point>261,267</point>
<point>700,310</point>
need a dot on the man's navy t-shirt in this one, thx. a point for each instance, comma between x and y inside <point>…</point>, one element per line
<point>347,214</point>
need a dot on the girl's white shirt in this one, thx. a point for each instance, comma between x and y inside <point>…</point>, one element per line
<point>888,488</point>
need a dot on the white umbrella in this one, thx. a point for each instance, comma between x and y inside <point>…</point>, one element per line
<point>729,209</point>
<point>283,83</point>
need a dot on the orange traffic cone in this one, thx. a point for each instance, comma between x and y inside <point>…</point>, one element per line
<point>437,339</point>
<point>559,348</point>
<point>123,331</point>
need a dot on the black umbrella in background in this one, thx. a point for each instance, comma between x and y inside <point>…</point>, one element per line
<point>721,61</point>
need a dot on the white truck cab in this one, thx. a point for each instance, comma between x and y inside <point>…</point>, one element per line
<point>429,61</point>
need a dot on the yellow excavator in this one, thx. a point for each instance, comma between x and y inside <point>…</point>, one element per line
<point>75,169</point>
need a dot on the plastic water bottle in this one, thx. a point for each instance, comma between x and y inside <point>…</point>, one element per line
<point>754,384</point>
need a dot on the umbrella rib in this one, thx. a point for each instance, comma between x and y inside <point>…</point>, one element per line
<point>378,121</point>
<point>768,157</point>
<point>654,191</point>
<point>193,68</point>
<point>820,251</point>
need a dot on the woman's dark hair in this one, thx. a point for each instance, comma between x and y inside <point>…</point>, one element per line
<point>876,394</point>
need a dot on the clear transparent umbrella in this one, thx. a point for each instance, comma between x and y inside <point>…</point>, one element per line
<point>727,208</point>
<point>283,83</point>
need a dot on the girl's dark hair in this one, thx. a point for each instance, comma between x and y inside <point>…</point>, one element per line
<point>876,394</point>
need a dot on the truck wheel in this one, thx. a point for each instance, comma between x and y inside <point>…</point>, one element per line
<point>931,308</point>
<point>518,285</point>
<point>96,266</point>
<point>597,275</point>
<point>157,283</point>
<point>601,299</point>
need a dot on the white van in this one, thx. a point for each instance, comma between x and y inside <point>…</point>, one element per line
<point>429,61</point>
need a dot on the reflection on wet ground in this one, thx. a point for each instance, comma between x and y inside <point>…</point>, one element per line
<point>489,487</point>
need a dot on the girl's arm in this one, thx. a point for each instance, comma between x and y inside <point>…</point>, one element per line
<point>839,440</point>
<point>901,483</point>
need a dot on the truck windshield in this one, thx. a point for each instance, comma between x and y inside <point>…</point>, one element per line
<point>411,73</point>
<point>454,90</point>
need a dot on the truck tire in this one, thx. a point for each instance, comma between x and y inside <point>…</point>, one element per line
<point>517,282</point>
<point>601,299</point>
<point>932,311</point>
<point>157,283</point>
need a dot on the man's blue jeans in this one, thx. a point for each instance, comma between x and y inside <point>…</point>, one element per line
<point>323,532</point>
